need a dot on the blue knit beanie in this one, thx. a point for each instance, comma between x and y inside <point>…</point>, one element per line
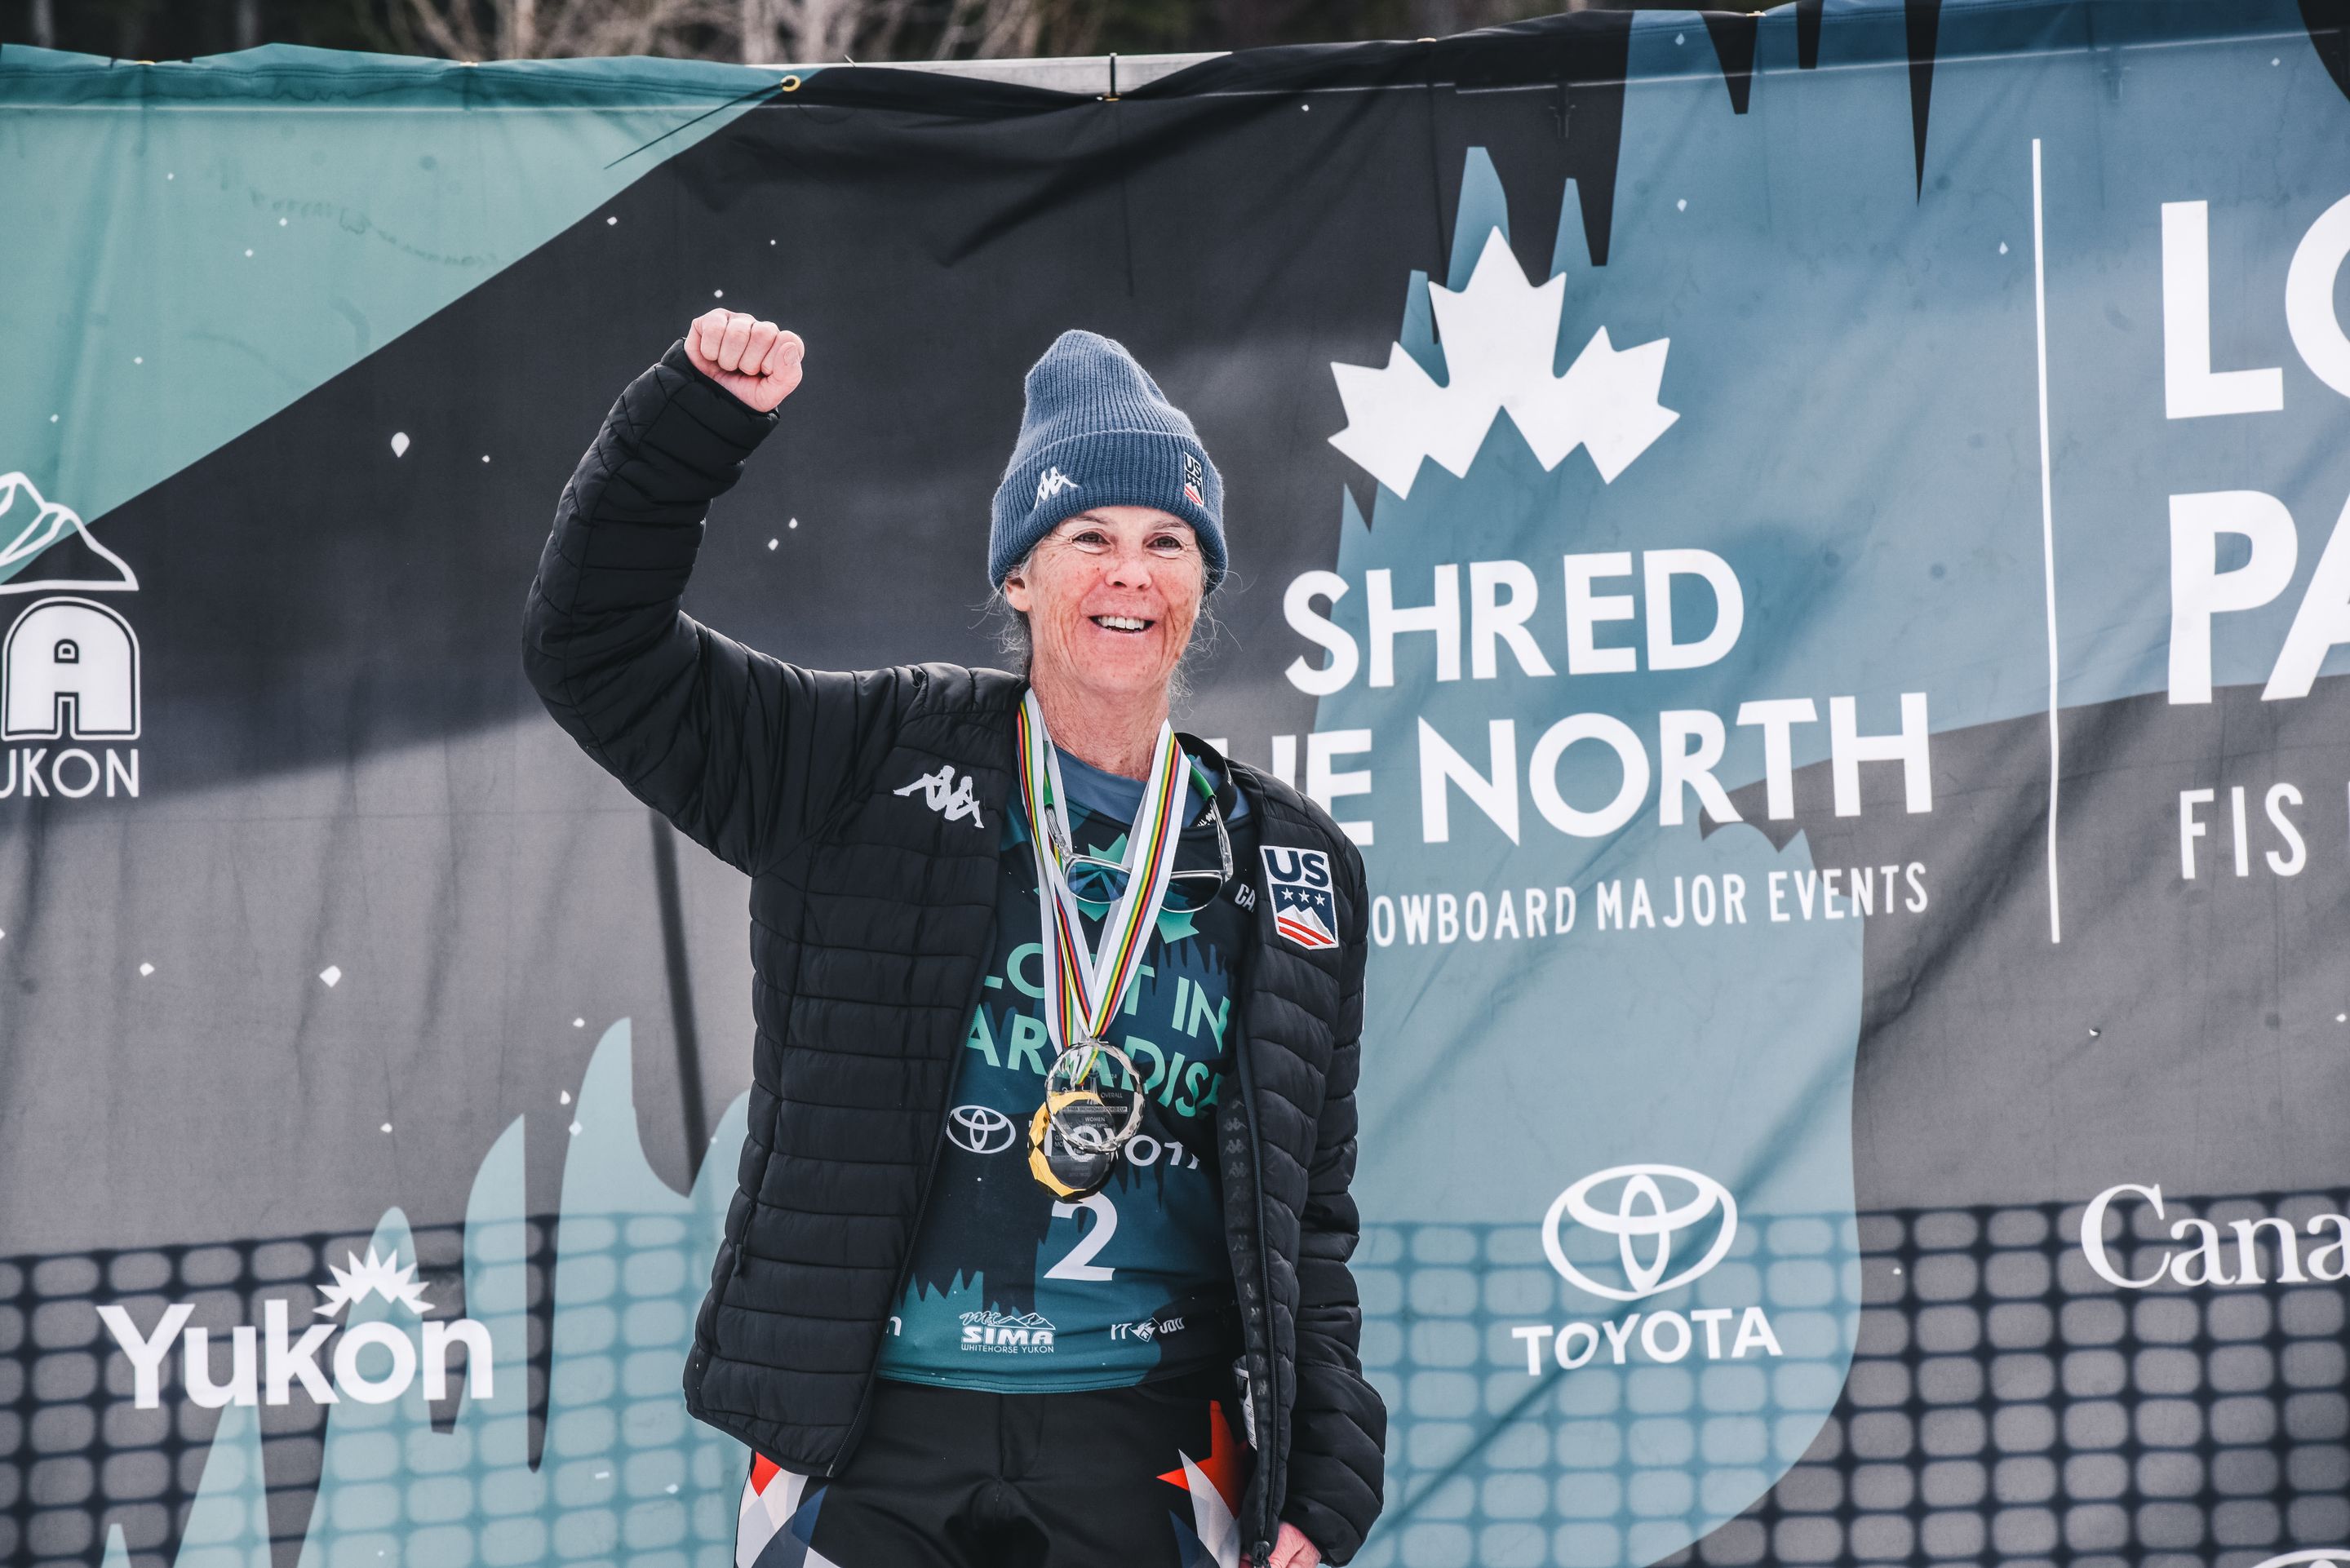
<point>1098,431</point>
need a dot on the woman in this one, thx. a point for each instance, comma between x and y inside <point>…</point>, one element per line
<point>1043,1221</point>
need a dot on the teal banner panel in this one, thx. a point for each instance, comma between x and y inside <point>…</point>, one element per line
<point>1810,551</point>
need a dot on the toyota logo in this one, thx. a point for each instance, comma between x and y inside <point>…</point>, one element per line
<point>978,1129</point>
<point>1643,1224</point>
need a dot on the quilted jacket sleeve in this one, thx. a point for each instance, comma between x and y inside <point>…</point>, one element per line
<point>743,752</point>
<point>1337,1462</point>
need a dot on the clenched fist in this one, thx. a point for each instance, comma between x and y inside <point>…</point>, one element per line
<point>755,361</point>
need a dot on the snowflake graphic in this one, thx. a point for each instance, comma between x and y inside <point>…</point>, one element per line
<point>1499,335</point>
<point>385,1276</point>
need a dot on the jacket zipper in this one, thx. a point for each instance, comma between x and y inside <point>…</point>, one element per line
<point>1261,1390</point>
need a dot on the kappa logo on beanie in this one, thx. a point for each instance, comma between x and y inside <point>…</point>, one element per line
<point>1053,482</point>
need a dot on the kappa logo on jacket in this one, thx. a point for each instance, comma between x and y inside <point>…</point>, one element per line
<point>1305,910</point>
<point>942,794</point>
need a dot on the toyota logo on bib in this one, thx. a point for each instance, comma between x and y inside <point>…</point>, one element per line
<point>1645,1208</point>
<point>978,1129</point>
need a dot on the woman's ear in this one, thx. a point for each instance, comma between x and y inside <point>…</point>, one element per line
<point>1015,591</point>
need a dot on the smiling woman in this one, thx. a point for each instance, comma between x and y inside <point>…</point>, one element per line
<point>1017,902</point>
<point>1107,605</point>
<point>1106,536</point>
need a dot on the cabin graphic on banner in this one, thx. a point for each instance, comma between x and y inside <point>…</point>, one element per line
<point>70,671</point>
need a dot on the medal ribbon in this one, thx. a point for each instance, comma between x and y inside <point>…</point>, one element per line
<point>1083,990</point>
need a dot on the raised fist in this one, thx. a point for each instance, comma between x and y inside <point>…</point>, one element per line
<point>755,361</point>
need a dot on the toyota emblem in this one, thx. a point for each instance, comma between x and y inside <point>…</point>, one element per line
<point>978,1129</point>
<point>1644,1224</point>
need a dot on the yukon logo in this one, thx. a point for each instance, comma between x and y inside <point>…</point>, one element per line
<point>1644,1225</point>
<point>992,1330</point>
<point>69,672</point>
<point>978,1129</point>
<point>267,1378</point>
<point>1052,483</point>
<point>68,665</point>
<point>1304,911</point>
<point>942,794</point>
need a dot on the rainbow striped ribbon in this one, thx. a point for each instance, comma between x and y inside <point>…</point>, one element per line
<point>1083,990</point>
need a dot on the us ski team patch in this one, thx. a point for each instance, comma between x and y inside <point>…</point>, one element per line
<point>1305,909</point>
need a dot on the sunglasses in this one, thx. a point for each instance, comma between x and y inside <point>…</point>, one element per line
<point>1098,881</point>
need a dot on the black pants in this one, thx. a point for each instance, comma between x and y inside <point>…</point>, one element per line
<point>1146,1477</point>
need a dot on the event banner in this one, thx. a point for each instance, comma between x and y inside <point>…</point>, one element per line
<point>1809,550</point>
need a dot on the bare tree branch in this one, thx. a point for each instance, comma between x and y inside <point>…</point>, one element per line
<point>442,25</point>
<point>755,32</point>
<point>814,32</point>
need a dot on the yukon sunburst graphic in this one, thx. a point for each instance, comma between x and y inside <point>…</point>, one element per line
<point>1567,959</point>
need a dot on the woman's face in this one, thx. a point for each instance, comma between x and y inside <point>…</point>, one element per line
<point>1111,595</point>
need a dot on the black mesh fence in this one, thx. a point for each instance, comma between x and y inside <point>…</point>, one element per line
<point>2004,1404</point>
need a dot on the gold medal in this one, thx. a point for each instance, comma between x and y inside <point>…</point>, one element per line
<point>1075,1137</point>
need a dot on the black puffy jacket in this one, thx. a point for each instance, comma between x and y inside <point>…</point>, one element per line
<point>872,916</point>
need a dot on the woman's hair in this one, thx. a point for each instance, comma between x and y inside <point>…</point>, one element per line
<point>1013,640</point>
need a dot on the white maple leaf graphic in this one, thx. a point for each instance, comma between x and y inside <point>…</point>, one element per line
<point>1499,335</point>
<point>385,1276</point>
